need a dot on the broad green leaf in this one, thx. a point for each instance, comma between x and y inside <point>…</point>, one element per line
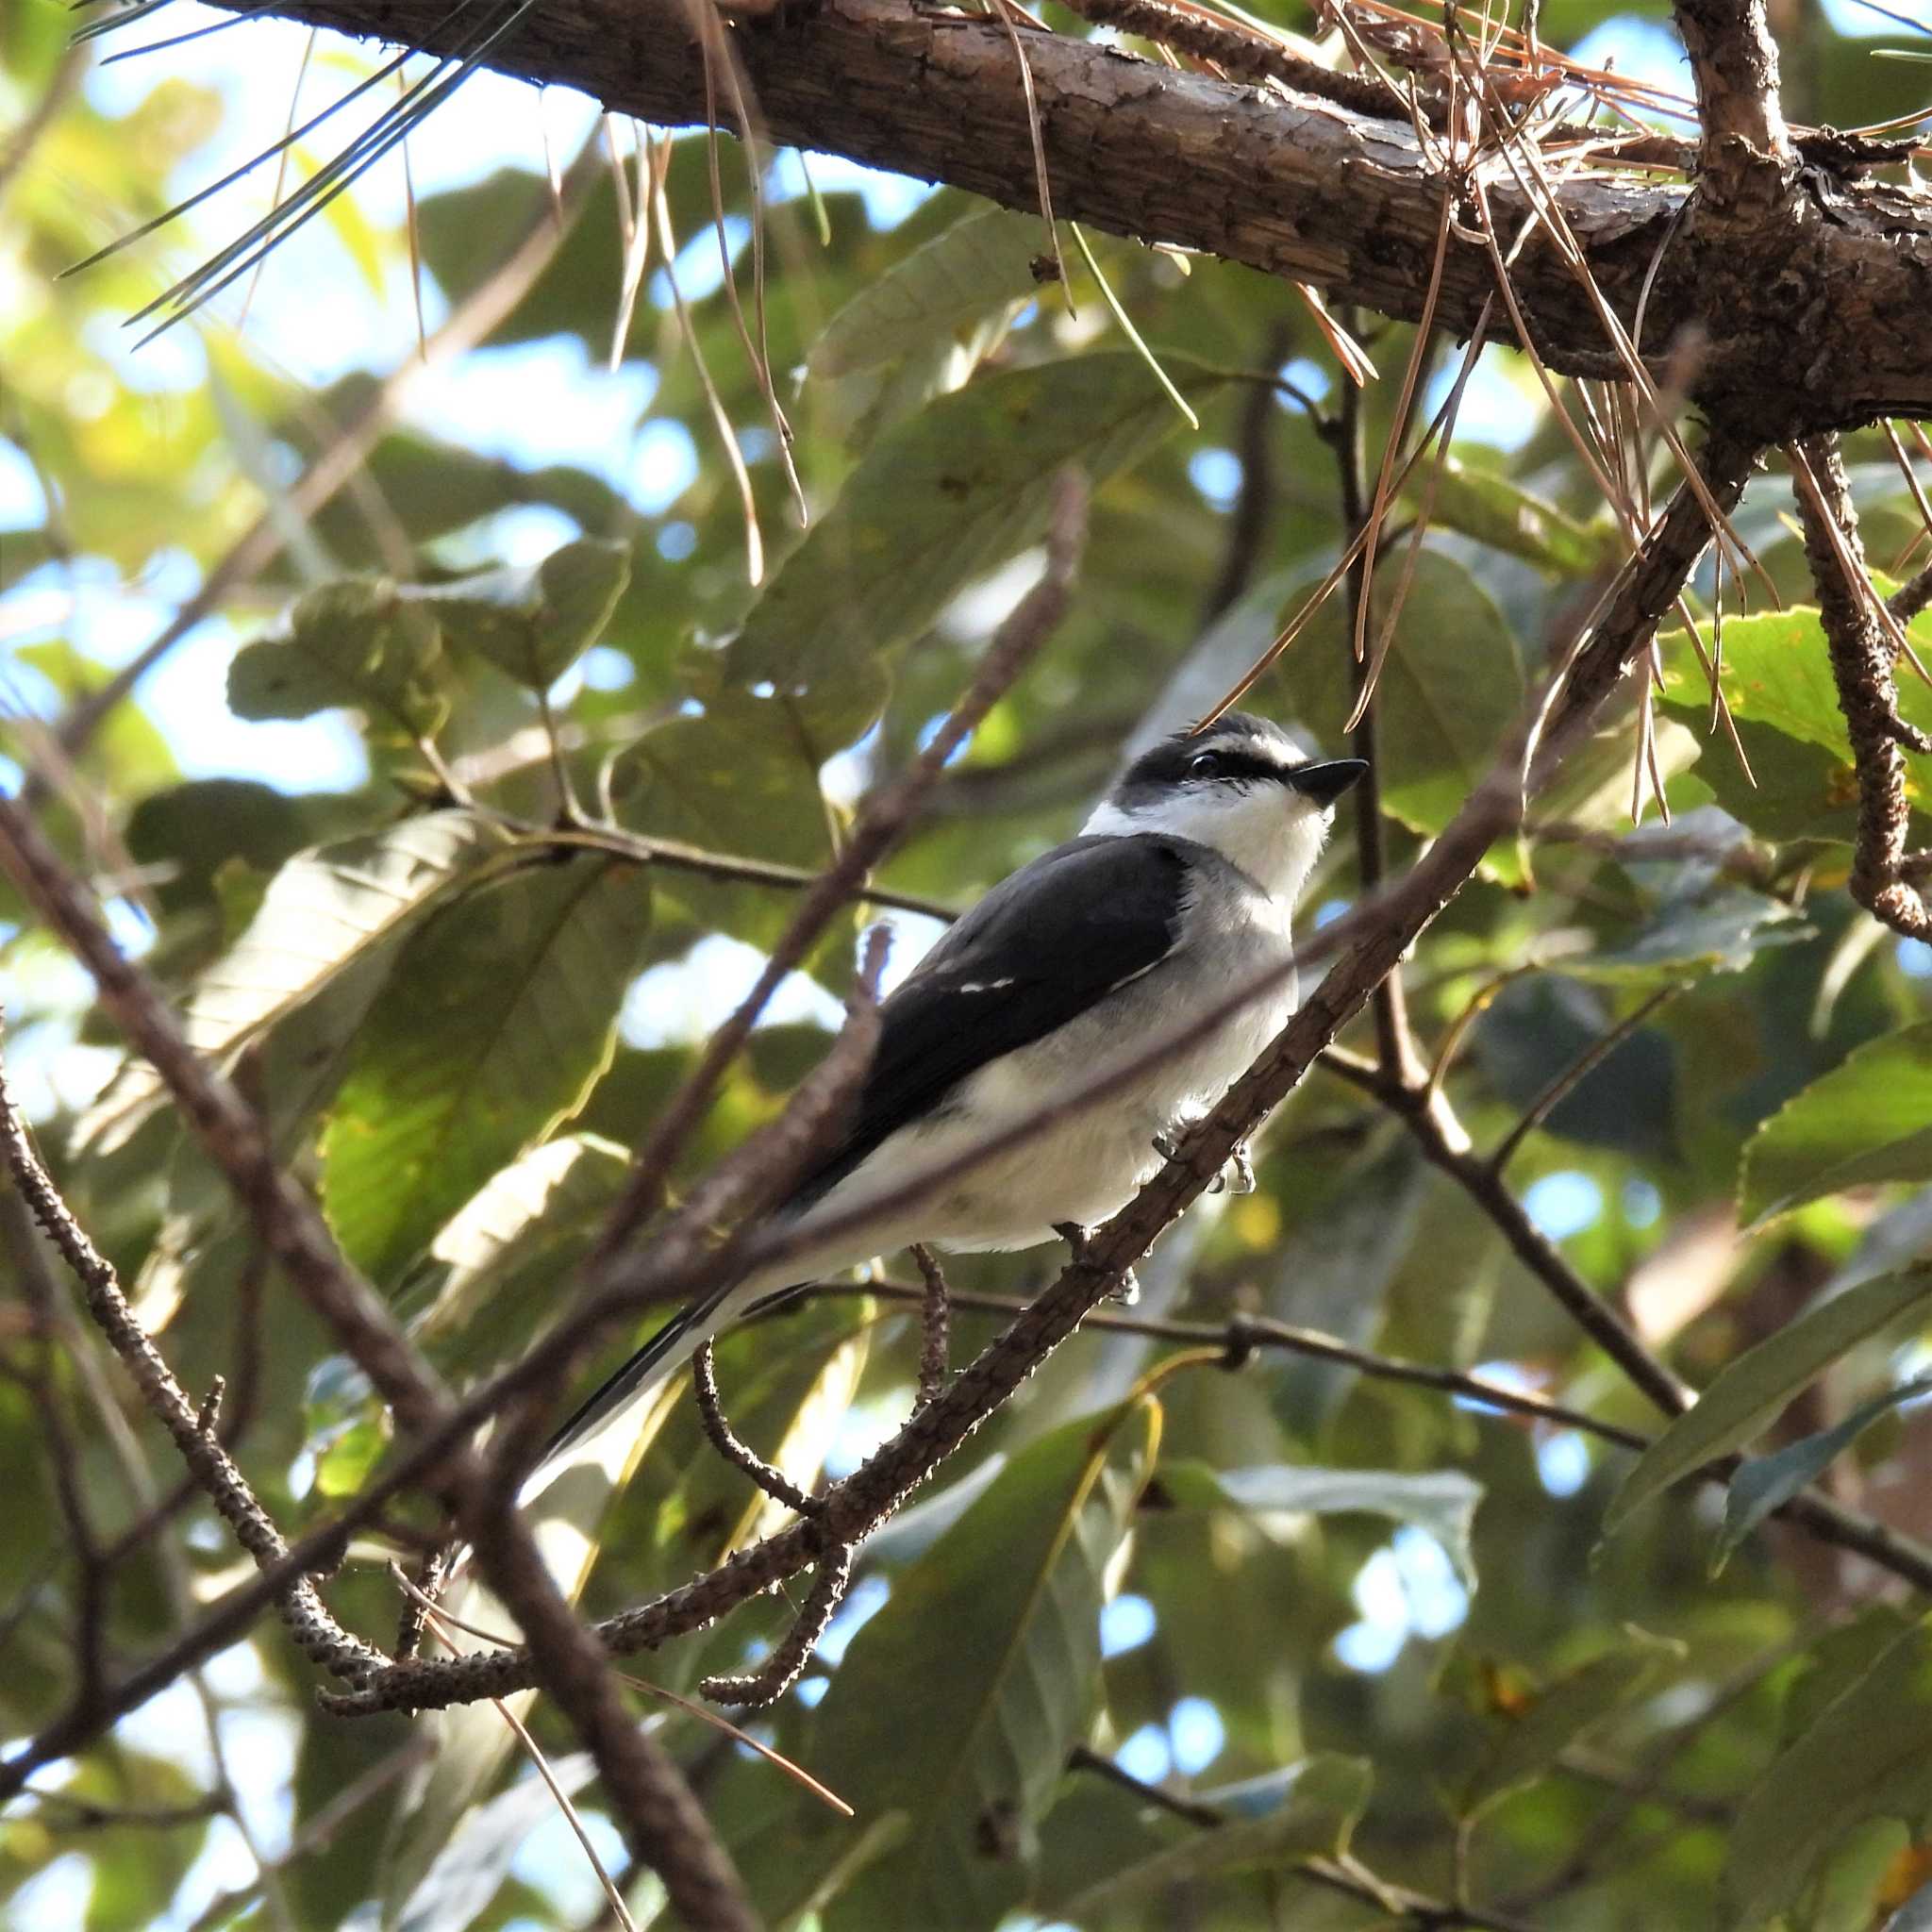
<point>1777,682</point>
<point>743,778</point>
<point>495,1024</point>
<point>983,263</point>
<point>1317,1810</point>
<point>1450,686</point>
<point>527,1226</point>
<point>358,642</point>
<point>325,911</point>
<point>1442,1500</point>
<point>532,622</point>
<point>1722,930</point>
<point>1490,508</point>
<point>1870,1119</point>
<point>1763,1483</point>
<point>1867,1754</point>
<point>1524,1745</point>
<point>941,498</point>
<point>970,1754</point>
<point>1753,1390</point>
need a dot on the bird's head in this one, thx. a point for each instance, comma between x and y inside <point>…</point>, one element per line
<point>1242,786</point>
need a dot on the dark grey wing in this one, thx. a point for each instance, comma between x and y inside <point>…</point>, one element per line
<point>1038,950</point>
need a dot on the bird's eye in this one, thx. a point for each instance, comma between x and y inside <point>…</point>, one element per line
<point>1209,764</point>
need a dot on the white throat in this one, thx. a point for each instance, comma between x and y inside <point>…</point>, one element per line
<point>1265,829</point>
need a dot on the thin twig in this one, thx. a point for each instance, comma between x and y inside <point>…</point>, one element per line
<point>781,1670</point>
<point>934,1323</point>
<point>1571,1078</point>
<point>741,1455</point>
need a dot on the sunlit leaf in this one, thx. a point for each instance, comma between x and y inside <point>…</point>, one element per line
<point>982,263</point>
<point>499,1016</point>
<point>1867,1754</point>
<point>324,911</point>
<point>1442,1500</point>
<point>1867,1120</point>
<point>942,497</point>
<point>1753,1390</point>
<point>358,643</point>
<point>533,621</point>
<point>1778,685</point>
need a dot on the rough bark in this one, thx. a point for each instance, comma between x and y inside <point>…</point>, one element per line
<point>1809,296</point>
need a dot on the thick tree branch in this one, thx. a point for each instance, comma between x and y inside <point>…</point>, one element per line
<point>1286,182</point>
<point>1734,61</point>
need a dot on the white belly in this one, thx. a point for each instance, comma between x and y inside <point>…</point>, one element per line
<point>1090,1161</point>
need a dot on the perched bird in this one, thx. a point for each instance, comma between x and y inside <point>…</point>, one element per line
<point>1177,891</point>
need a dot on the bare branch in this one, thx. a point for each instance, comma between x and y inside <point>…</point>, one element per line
<point>740,1455</point>
<point>1884,877</point>
<point>314,1630</point>
<point>780,1670</point>
<point>1282,179</point>
<point>935,1310</point>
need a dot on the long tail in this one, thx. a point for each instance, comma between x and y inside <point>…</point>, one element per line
<point>658,1360</point>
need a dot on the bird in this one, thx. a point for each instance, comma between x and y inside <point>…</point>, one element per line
<point>1177,891</point>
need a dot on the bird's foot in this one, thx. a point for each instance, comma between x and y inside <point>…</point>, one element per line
<point>1236,1178</point>
<point>1127,1290</point>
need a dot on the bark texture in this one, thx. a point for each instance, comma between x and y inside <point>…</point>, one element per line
<point>1805,287</point>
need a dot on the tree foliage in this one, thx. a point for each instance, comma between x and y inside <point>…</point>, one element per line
<point>1374,1570</point>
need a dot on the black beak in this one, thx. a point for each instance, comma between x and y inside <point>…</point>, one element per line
<point>1325,783</point>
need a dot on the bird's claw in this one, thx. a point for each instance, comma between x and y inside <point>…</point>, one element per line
<point>1236,1177</point>
<point>1125,1292</point>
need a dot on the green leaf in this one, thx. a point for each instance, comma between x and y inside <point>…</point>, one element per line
<point>1525,1745</point>
<point>532,622</point>
<point>325,911</point>
<point>1753,1390</point>
<point>1764,1482</point>
<point>1777,681</point>
<point>980,265</point>
<point>1868,1755</point>
<point>1492,509</point>
<point>360,644</point>
<point>970,1754</point>
<point>496,1021</point>
<point>1719,930</point>
<point>941,498</point>
<point>527,1225</point>
<point>743,777</point>
<point>1870,1119</point>
<point>1319,1807</point>
<point>1450,687</point>
<point>1442,1500</point>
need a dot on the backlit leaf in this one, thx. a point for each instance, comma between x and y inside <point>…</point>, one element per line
<point>1753,1390</point>
<point>497,1019</point>
<point>1869,1119</point>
